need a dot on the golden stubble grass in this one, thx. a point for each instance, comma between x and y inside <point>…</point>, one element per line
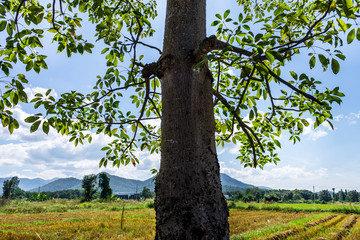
<point>138,224</point>
<point>246,220</point>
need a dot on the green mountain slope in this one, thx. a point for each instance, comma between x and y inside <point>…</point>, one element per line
<point>119,185</point>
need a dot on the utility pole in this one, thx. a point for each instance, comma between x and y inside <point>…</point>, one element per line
<point>314,192</point>
<point>136,196</point>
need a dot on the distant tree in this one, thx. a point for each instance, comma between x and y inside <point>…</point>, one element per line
<point>297,195</point>
<point>147,193</point>
<point>9,187</point>
<point>104,184</point>
<point>324,195</point>
<point>341,196</point>
<point>248,198</point>
<point>272,197</point>
<point>353,196</point>
<point>306,194</point>
<point>89,184</point>
<point>238,196</point>
<point>287,196</point>
<point>6,189</point>
<point>258,196</point>
<point>65,194</point>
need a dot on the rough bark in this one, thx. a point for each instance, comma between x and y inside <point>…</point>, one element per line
<point>189,202</point>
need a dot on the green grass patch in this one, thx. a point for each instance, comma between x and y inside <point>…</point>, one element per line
<point>296,207</point>
<point>275,228</point>
<point>57,205</point>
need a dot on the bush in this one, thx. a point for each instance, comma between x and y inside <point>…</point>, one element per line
<point>231,205</point>
<point>150,204</point>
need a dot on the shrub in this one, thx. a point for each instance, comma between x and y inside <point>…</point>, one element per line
<point>231,205</point>
<point>150,204</point>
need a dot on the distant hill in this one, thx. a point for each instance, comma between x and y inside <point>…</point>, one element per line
<point>27,183</point>
<point>119,185</point>
<point>231,184</point>
<point>60,184</point>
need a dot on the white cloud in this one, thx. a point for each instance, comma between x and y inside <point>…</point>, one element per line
<point>287,177</point>
<point>31,91</point>
<point>352,118</point>
<point>322,172</point>
<point>315,134</point>
<point>48,156</point>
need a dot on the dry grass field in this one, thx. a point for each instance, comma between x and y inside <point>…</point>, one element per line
<point>107,221</point>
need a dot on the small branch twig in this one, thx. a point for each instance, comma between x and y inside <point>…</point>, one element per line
<point>243,126</point>
<point>291,86</point>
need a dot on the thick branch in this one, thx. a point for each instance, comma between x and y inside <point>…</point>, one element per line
<point>212,43</point>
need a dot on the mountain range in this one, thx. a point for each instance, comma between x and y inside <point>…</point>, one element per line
<point>119,185</point>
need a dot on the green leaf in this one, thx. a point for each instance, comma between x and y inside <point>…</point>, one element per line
<point>223,128</point>
<point>351,36</point>
<point>358,34</point>
<point>2,25</point>
<point>52,30</point>
<point>11,128</point>
<point>35,126</point>
<point>9,29</point>
<point>277,143</point>
<point>104,50</point>
<point>312,62</point>
<point>294,75</point>
<point>324,61</point>
<point>342,24</point>
<point>214,23</point>
<point>269,56</point>
<point>335,66</point>
<point>347,6</point>
<point>31,119</point>
<point>82,7</point>
<point>226,14</point>
<point>342,57</point>
<point>251,115</point>
<point>45,127</point>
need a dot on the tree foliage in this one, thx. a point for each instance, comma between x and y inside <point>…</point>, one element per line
<point>10,187</point>
<point>89,185</point>
<point>246,56</point>
<point>146,193</point>
<point>324,195</point>
<point>104,184</point>
<point>352,196</point>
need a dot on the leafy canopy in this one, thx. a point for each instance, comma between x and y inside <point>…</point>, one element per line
<point>254,99</point>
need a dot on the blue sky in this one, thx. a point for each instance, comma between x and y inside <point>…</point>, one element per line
<point>324,158</point>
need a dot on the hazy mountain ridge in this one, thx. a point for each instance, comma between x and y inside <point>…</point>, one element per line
<point>28,183</point>
<point>119,185</point>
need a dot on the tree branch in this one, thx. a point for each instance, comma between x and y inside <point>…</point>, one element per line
<point>212,43</point>
<point>243,126</point>
<point>103,96</point>
<point>308,34</point>
<point>291,86</point>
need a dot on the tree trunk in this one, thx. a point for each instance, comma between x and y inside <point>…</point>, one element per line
<point>189,202</point>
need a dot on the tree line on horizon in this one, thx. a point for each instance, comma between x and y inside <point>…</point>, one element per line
<point>288,196</point>
<point>93,189</point>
